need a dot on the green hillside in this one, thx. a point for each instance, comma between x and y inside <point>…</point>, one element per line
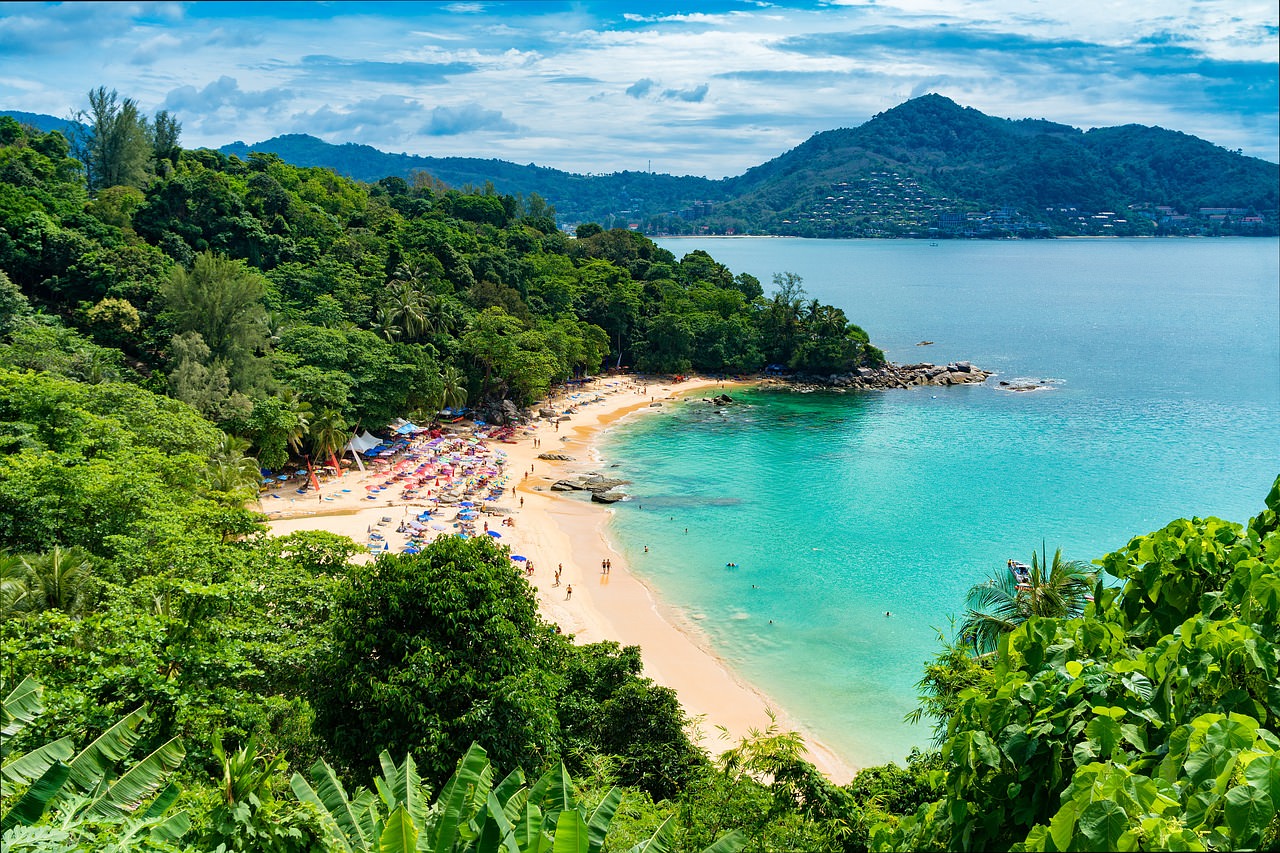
<point>926,168</point>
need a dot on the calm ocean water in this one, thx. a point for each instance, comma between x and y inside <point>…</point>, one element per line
<point>1165,357</point>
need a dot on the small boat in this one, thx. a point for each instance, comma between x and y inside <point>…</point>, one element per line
<point>1021,572</point>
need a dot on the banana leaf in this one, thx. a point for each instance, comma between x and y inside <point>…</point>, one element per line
<point>113,745</point>
<point>601,817</point>
<point>331,801</point>
<point>31,805</point>
<point>399,835</point>
<point>462,796</point>
<point>21,706</point>
<point>139,782</point>
<point>572,835</point>
<point>32,765</point>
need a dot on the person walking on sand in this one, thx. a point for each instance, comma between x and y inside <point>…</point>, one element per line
<point>568,592</point>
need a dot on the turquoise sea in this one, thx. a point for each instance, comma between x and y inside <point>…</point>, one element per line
<point>1165,361</point>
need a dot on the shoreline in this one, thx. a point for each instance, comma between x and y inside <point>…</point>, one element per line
<point>551,529</point>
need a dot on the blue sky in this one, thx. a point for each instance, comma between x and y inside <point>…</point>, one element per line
<point>707,87</point>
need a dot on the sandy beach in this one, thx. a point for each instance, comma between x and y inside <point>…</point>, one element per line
<point>552,529</point>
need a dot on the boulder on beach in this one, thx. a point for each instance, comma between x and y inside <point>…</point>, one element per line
<point>607,497</point>
<point>556,457</point>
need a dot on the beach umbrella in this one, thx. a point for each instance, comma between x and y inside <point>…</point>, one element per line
<point>495,534</point>
<point>466,503</point>
<point>518,558</point>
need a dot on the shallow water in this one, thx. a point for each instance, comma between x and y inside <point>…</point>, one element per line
<point>839,507</point>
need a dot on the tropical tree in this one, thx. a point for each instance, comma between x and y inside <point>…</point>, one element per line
<point>15,586</point>
<point>327,433</point>
<point>84,786</point>
<point>58,579</point>
<point>117,148</point>
<point>221,299</point>
<point>230,470</point>
<point>472,813</point>
<point>1059,589</point>
<point>455,387</point>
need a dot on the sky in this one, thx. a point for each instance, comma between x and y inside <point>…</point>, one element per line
<point>705,87</point>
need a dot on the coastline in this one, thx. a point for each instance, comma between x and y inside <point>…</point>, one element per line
<point>552,529</point>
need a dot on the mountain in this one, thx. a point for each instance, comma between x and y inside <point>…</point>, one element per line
<point>930,159</point>
<point>45,123</point>
<point>928,167</point>
<point>577,198</point>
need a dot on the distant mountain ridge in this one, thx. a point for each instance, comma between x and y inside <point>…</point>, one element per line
<point>928,167</point>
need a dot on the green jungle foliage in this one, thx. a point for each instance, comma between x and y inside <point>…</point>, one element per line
<point>168,669</point>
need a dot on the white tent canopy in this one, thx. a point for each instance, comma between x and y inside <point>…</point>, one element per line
<point>361,443</point>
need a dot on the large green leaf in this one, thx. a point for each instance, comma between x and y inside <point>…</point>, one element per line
<point>1264,773</point>
<point>113,745</point>
<point>139,782</point>
<point>1249,810</point>
<point>20,707</point>
<point>496,829</point>
<point>32,765</point>
<point>572,835</point>
<point>463,795</point>
<point>528,833</point>
<point>660,841</point>
<point>601,817</point>
<point>31,805</point>
<point>399,835</point>
<point>1101,825</point>
<point>172,828</point>
<point>336,812</point>
<point>553,792</point>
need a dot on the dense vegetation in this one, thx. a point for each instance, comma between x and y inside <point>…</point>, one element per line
<point>175,679</point>
<point>942,158</point>
<point>939,158</point>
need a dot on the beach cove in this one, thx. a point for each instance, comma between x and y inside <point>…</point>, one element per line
<point>553,529</point>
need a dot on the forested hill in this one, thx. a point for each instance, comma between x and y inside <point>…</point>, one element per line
<point>932,164</point>
<point>927,168</point>
<point>617,199</point>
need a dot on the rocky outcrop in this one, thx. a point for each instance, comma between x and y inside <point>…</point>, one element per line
<point>889,376</point>
<point>594,483</point>
<point>607,497</point>
<point>722,400</point>
<point>555,457</point>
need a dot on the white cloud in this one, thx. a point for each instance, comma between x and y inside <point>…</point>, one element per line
<point>591,87</point>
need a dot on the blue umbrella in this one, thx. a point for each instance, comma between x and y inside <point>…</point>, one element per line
<point>466,503</point>
<point>495,534</point>
<point>518,558</point>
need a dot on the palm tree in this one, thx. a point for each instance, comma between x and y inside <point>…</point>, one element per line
<point>1060,589</point>
<point>406,307</point>
<point>455,387</point>
<point>300,412</point>
<point>328,433</point>
<point>59,579</point>
<point>385,323</point>
<point>16,594</point>
<point>230,470</point>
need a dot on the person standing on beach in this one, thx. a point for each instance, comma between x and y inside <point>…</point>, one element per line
<point>568,593</point>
